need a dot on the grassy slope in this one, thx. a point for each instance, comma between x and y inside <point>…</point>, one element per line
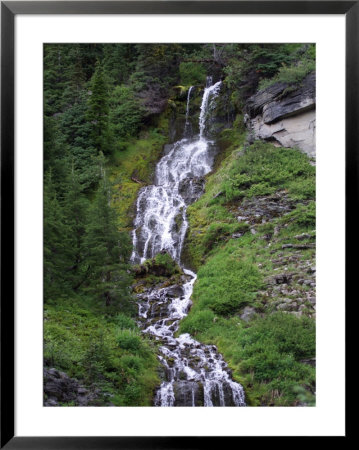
<point>265,353</point>
<point>105,352</point>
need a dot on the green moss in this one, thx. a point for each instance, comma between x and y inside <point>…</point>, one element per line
<point>162,265</point>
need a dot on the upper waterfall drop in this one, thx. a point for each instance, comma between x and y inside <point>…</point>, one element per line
<point>187,109</point>
<point>209,95</point>
<point>195,374</point>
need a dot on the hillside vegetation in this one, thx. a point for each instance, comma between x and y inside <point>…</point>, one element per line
<point>250,298</point>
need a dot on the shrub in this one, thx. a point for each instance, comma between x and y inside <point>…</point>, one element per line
<point>124,322</point>
<point>198,323</point>
<point>302,189</point>
<point>128,340</point>
<point>131,363</point>
<point>293,74</point>
<point>264,168</point>
<point>126,112</point>
<point>218,231</point>
<point>192,73</point>
<point>225,284</point>
<point>302,216</point>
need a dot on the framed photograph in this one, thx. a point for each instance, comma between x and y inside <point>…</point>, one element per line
<point>175,182</point>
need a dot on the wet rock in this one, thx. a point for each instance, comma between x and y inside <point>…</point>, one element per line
<point>175,291</point>
<point>191,189</point>
<point>188,393</point>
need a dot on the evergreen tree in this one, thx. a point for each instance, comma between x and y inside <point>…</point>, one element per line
<point>56,238</point>
<point>75,209</point>
<point>98,110</point>
<point>126,112</point>
<point>107,250</point>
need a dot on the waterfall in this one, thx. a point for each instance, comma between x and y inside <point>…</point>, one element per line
<point>186,127</point>
<point>210,93</point>
<point>194,374</point>
<point>188,99</point>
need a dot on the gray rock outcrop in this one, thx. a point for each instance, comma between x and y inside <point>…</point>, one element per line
<point>285,116</point>
<point>60,389</point>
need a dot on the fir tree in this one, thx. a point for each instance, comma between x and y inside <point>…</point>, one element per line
<point>75,208</point>
<point>56,236</point>
<point>107,250</point>
<point>98,110</point>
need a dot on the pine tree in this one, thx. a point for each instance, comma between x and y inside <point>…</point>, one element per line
<point>75,208</point>
<point>107,250</point>
<point>98,110</point>
<point>56,235</point>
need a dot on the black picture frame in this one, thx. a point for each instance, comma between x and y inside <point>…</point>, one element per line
<point>9,9</point>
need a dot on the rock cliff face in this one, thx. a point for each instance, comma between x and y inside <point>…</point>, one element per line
<point>285,117</point>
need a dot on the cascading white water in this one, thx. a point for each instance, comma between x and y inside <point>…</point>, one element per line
<point>194,374</point>
<point>210,93</point>
<point>187,107</point>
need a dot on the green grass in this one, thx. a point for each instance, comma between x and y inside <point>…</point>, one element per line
<point>103,351</point>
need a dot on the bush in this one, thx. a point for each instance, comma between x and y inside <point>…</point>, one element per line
<point>302,217</point>
<point>198,323</point>
<point>124,322</point>
<point>218,232</point>
<point>131,363</point>
<point>225,284</point>
<point>128,340</point>
<point>293,73</point>
<point>264,168</point>
<point>126,112</point>
<point>192,73</point>
<point>302,189</point>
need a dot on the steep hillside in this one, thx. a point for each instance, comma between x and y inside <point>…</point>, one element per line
<point>252,240</point>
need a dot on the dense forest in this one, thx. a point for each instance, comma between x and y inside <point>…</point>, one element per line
<point>111,111</point>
